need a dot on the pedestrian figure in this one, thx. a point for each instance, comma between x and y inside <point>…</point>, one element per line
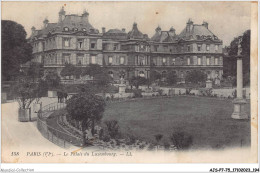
<point>59,94</point>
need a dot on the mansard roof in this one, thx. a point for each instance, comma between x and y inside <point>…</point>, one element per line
<point>115,31</point>
<point>194,31</point>
<point>136,34</point>
<point>73,22</point>
<point>164,36</point>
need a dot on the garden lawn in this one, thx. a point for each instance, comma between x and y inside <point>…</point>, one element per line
<point>207,120</point>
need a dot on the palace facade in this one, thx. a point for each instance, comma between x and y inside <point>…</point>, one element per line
<point>125,54</point>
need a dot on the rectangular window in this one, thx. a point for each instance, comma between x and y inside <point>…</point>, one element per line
<point>188,48</point>
<point>182,48</point>
<point>199,47</point>
<point>93,59</point>
<point>92,45</point>
<point>173,61</point>
<point>115,46</point>
<point>137,48</point>
<point>216,61</point>
<point>216,47</point>
<point>188,61</point>
<point>164,61</point>
<point>66,59</point>
<point>199,60</point>
<point>79,59</point>
<point>110,60</point>
<point>67,42</point>
<point>165,48</point>
<point>80,43</point>
<point>156,48</point>
<point>122,60</point>
<point>208,60</point>
<point>207,47</point>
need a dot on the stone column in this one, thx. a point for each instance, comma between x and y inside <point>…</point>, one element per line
<point>239,102</point>
<point>239,78</point>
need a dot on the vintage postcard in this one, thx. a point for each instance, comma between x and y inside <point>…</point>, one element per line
<point>129,82</point>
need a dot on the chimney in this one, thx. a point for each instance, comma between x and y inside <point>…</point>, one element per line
<point>85,15</point>
<point>189,25</point>
<point>205,24</point>
<point>135,25</point>
<point>172,31</point>
<point>103,30</point>
<point>33,29</point>
<point>45,22</point>
<point>158,30</point>
<point>123,29</point>
<point>61,15</point>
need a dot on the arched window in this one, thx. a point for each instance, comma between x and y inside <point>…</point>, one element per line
<point>66,29</point>
<point>75,29</point>
<point>141,74</point>
<point>111,74</point>
<point>84,29</point>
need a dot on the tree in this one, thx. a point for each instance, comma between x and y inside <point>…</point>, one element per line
<point>196,77</point>
<point>100,75</point>
<point>154,76</point>
<point>25,91</point>
<point>113,128</point>
<point>230,62</point>
<point>35,71</point>
<point>93,70</point>
<point>86,108</point>
<point>137,81</point>
<point>52,79</point>
<point>171,78</point>
<point>15,49</point>
<point>68,70</point>
<point>181,140</point>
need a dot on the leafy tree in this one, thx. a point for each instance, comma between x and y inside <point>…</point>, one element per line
<point>25,91</point>
<point>196,77</point>
<point>15,49</point>
<point>154,76</point>
<point>68,70</point>
<point>171,78</point>
<point>86,108</point>
<point>181,140</point>
<point>230,62</point>
<point>113,128</point>
<point>35,71</point>
<point>52,79</point>
<point>137,81</point>
<point>93,70</point>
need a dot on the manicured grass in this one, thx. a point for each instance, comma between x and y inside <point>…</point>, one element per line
<point>207,120</point>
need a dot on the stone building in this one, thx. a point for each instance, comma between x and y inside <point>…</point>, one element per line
<point>125,54</point>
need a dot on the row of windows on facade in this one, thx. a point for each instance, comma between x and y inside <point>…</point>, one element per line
<point>80,43</point>
<point>75,29</point>
<point>164,74</point>
<point>66,59</point>
<point>51,59</point>
<point>186,48</point>
<point>146,48</point>
<point>189,61</point>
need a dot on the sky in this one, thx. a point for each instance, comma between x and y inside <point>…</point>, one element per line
<point>226,19</point>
